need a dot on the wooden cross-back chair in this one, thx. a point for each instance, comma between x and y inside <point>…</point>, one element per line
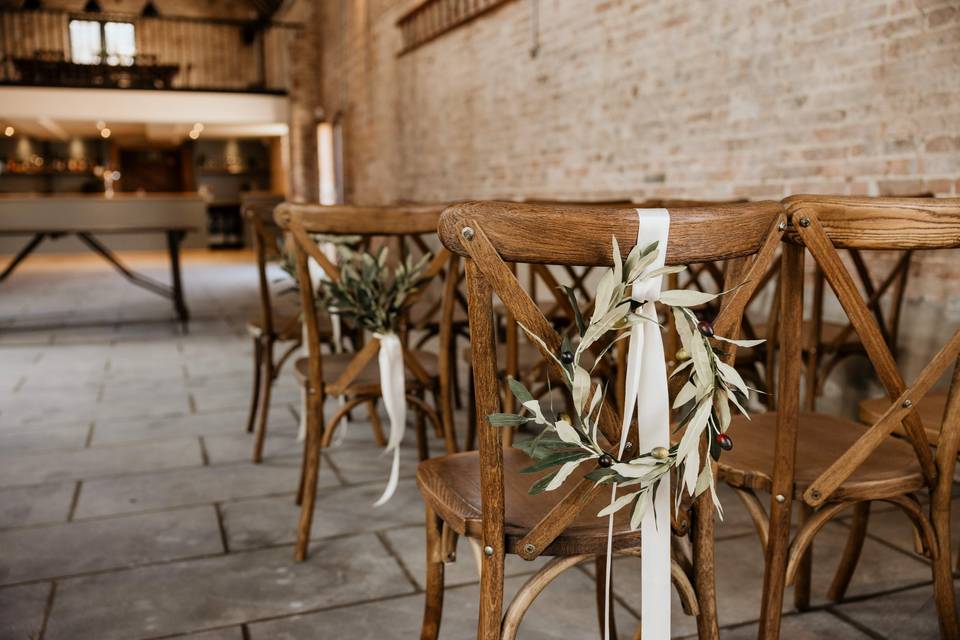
<point>518,357</point>
<point>480,494</point>
<point>827,343</point>
<point>829,463</point>
<point>278,322</point>
<point>355,376</point>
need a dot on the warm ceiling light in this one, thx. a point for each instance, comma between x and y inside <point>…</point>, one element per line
<point>194,134</point>
<point>198,127</point>
<point>101,124</point>
<point>105,132</point>
<point>9,131</point>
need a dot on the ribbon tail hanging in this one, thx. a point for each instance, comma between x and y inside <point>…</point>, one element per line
<point>390,358</point>
<point>646,391</point>
<point>653,423</point>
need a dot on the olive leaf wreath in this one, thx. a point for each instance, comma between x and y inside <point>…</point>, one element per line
<point>711,387</point>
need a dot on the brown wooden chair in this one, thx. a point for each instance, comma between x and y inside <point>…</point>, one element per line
<point>355,376</point>
<point>480,494</point>
<point>278,321</point>
<point>520,358</point>
<point>829,463</point>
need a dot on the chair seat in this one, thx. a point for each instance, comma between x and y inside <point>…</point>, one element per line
<point>892,469</point>
<point>288,327</point>
<point>930,409</point>
<point>368,380</point>
<point>451,487</point>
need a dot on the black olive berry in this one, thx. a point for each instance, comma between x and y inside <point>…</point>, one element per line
<point>725,441</point>
<point>605,461</point>
<point>566,357</point>
<point>705,328</point>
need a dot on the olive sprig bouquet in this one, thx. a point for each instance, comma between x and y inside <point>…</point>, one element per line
<point>711,387</point>
<point>370,291</point>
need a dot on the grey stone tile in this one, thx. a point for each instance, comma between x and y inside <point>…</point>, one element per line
<point>41,438</point>
<point>893,527</point>
<point>22,413</point>
<point>182,487</point>
<point>49,466</point>
<point>905,614</point>
<point>281,441</point>
<point>880,568</point>
<point>157,403</point>
<point>339,510</point>
<point>740,573</point>
<point>156,428</point>
<point>221,398</point>
<point>566,609</point>
<point>362,463</point>
<point>189,596</point>
<point>35,504</point>
<point>233,633</point>
<point>21,611</point>
<point>817,625</point>
<point>78,547</point>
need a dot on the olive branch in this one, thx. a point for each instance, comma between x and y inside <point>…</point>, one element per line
<point>711,387</point>
<point>370,292</point>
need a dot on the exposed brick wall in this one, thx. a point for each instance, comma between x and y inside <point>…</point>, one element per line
<point>756,98</point>
<point>651,98</point>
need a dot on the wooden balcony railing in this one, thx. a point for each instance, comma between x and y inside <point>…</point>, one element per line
<point>430,19</point>
<point>172,53</point>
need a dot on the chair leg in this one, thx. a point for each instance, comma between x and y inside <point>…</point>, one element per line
<point>309,474</point>
<point>801,589</point>
<point>775,571</point>
<point>433,607</point>
<point>601,584</point>
<point>491,597</point>
<point>851,552</point>
<point>943,588</point>
<point>255,394</point>
<point>266,385</point>
<point>705,579</point>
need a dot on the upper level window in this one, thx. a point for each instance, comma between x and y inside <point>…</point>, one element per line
<point>95,42</point>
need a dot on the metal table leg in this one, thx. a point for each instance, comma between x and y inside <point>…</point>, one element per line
<point>174,238</point>
<point>23,253</point>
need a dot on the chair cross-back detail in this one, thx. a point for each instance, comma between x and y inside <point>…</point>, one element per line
<point>481,494</point>
<point>354,375</point>
<point>828,463</point>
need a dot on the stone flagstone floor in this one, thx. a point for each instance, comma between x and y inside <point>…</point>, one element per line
<point>129,508</point>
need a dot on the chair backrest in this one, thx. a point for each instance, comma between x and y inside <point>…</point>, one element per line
<point>489,235</point>
<point>405,225</point>
<point>824,225</point>
<point>258,212</point>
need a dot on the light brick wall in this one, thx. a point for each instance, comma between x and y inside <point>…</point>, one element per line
<point>651,98</point>
<point>754,98</point>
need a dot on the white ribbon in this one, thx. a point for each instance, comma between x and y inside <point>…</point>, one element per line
<point>646,392</point>
<point>394,400</point>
